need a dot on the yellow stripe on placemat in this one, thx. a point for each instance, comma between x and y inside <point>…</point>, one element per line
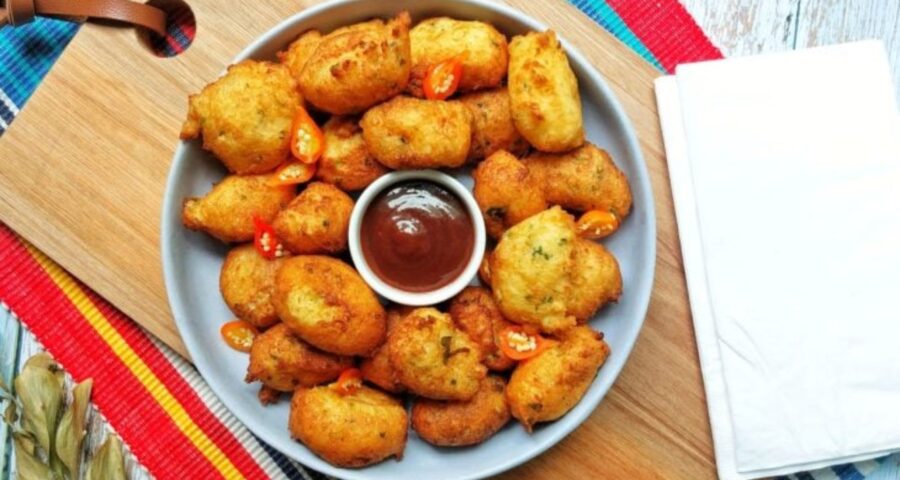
<point>130,358</point>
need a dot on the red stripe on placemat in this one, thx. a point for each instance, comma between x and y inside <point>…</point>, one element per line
<point>118,394</point>
<point>169,376</point>
<point>668,30</point>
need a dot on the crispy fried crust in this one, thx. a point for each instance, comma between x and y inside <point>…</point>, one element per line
<point>545,387</point>
<point>227,211</point>
<point>407,133</point>
<point>530,270</point>
<point>434,359</point>
<point>543,92</point>
<point>355,68</point>
<point>583,179</point>
<point>456,424</point>
<point>346,162</point>
<point>506,192</point>
<point>437,39</point>
<point>247,283</point>
<point>349,431</point>
<point>326,303</point>
<point>492,125</point>
<point>316,221</point>
<point>245,116</point>
<point>283,362</point>
<point>475,312</point>
<point>596,280</point>
<point>299,52</point>
<point>377,368</point>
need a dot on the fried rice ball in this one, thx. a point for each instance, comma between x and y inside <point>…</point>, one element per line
<point>409,133</point>
<point>543,93</point>
<point>481,47</point>
<point>596,280</point>
<point>530,270</point>
<point>346,162</point>
<point>457,424</point>
<point>506,192</point>
<point>245,116</point>
<point>377,368</point>
<point>227,211</point>
<point>583,179</point>
<point>247,283</point>
<point>546,386</point>
<point>326,303</point>
<point>283,362</point>
<point>492,126</point>
<point>316,221</point>
<point>299,51</point>
<point>350,431</point>
<point>434,359</point>
<point>475,312</point>
<point>356,68</point>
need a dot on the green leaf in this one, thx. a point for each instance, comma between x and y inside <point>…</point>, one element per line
<point>28,465</point>
<point>73,428</point>
<point>40,390</point>
<point>108,463</point>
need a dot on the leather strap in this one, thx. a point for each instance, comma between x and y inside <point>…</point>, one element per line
<point>18,12</point>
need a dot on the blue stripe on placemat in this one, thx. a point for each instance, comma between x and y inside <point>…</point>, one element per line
<point>600,12</point>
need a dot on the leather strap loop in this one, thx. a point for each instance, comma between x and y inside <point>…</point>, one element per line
<point>19,12</point>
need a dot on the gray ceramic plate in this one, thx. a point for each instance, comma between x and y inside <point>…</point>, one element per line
<point>191,263</point>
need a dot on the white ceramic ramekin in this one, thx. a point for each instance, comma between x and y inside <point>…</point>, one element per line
<point>392,293</point>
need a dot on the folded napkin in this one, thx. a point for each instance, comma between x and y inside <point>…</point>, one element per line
<point>785,172</point>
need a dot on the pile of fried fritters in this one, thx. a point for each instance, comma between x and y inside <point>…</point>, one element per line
<point>516,118</point>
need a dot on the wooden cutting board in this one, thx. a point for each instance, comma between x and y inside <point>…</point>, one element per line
<point>83,169</point>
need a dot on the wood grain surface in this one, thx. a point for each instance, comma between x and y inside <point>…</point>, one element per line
<point>85,167</point>
<point>747,27</point>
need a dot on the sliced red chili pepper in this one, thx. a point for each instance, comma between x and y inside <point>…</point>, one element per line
<point>349,382</point>
<point>519,343</point>
<point>292,173</point>
<point>265,240</point>
<point>307,140</point>
<point>239,335</point>
<point>597,224</point>
<point>442,79</point>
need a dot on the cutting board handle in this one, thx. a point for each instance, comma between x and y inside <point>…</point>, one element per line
<point>19,12</point>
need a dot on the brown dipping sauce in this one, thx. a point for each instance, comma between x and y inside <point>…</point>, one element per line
<point>417,236</point>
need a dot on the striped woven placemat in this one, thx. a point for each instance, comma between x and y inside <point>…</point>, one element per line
<point>154,399</point>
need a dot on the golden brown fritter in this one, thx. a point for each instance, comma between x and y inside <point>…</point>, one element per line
<point>456,424</point>
<point>326,303</point>
<point>356,68</point>
<point>530,270</point>
<point>247,283</point>
<point>545,387</point>
<point>245,116</point>
<point>346,162</point>
<point>283,362</point>
<point>434,359</point>
<point>316,221</point>
<point>299,51</point>
<point>377,368</point>
<point>583,179</point>
<point>475,312</point>
<point>408,133</point>
<point>492,125</point>
<point>506,192</point>
<point>543,92</point>
<point>227,211</point>
<point>596,280</point>
<point>481,46</point>
<point>349,431</point>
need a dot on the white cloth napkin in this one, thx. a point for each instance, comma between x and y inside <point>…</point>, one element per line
<point>785,172</point>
